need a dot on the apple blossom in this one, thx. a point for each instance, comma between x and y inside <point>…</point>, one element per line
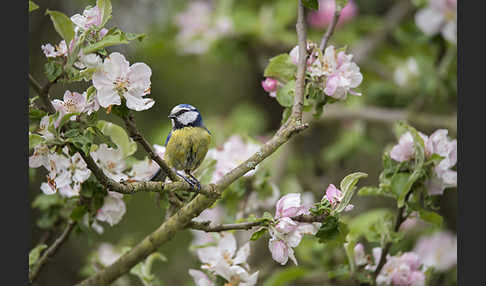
<point>40,157</point>
<point>311,50</point>
<point>359,255</point>
<point>111,162</point>
<point>439,16</point>
<point>107,254</point>
<point>215,216</point>
<point>286,234</point>
<point>94,225</point>
<point>233,152</point>
<point>115,79</point>
<point>401,270</point>
<point>143,170</point>
<point>51,51</point>
<point>91,17</point>
<point>88,61</point>
<point>438,250</point>
<point>333,194</point>
<point>270,86</point>
<point>92,105</point>
<point>113,208</point>
<point>437,143</point>
<point>72,102</point>
<point>225,261</point>
<point>256,202</point>
<point>323,16</point>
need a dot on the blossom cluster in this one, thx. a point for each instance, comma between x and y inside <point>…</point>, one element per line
<point>439,16</point>
<point>334,72</point>
<point>224,260</point>
<point>113,77</point>
<point>199,26</point>
<point>405,269</point>
<point>437,143</point>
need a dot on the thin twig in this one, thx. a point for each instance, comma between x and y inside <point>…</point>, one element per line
<point>205,225</point>
<point>330,28</point>
<point>398,222</point>
<point>51,251</point>
<point>136,135</point>
<point>43,93</point>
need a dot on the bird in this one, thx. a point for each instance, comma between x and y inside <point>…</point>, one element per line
<point>187,143</point>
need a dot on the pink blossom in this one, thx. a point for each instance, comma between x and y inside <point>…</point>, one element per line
<point>270,86</point>
<point>116,79</point>
<point>72,102</point>
<point>333,194</point>
<point>91,17</point>
<point>359,255</point>
<point>323,17</point>
<point>402,270</point>
<point>438,250</point>
<point>405,150</point>
<point>59,50</point>
<point>287,233</point>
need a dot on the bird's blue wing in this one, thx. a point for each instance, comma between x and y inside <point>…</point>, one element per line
<point>167,139</point>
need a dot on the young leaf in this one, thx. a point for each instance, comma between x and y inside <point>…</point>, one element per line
<point>257,234</point>
<point>281,67</point>
<point>35,253</point>
<point>118,136</point>
<point>34,140</point>
<point>52,69</point>
<point>143,270</point>
<point>63,25</point>
<point>285,94</point>
<point>348,188</point>
<point>32,6</point>
<point>311,4</point>
<point>105,10</point>
<point>431,217</point>
<point>112,38</point>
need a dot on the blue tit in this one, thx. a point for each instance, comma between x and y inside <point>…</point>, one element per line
<point>188,141</point>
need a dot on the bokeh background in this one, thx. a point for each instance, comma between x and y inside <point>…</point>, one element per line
<point>403,69</point>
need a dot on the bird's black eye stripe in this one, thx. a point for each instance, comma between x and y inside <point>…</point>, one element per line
<point>181,111</point>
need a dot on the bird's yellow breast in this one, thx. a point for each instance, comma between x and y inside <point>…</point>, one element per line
<point>187,148</point>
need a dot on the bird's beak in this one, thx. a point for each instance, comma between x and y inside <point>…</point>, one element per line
<point>171,116</point>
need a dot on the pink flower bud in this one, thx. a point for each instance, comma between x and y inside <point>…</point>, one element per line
<point>324,15</point>
<point>269,84</point>
<point>333,194</point>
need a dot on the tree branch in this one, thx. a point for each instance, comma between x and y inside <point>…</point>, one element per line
<point>50,251</point>
<point>205,225</point>
<point>330,29</point>
<point>182,217</point>
<point>136,135</point>
<point>43,92</point>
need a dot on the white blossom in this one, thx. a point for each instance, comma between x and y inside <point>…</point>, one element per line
<point>111,162</point>
<point>440,16</point>
<point>113,209</point>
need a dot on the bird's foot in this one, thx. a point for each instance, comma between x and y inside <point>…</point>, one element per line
<point>195,185</point>
<point>198,184</point>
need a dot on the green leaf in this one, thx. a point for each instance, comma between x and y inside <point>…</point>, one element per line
<point>311,4</point>
<point>63,25</point>
<point>361,224</point>
<point>118,136</point>
<point>257,234</point>
<point>340,4</point>
<point>112,38</point>
<point>66,117</point>
<point>286,276</point>
<point>105,10</point>
<point>52,69</point>
<point>44,202</point>
<point>431,217</point>
<point>332,230</point>
<point>35,253</point>
<point>32,6</point>
<point>348,188</point>
<point>285,94</point>
<point>281,67</point>
<point>372,191</point>
<point>34,140</point>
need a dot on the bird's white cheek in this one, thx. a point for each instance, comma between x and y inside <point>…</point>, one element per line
<point>173,122</point>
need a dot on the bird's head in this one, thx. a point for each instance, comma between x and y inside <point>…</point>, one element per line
<point>184,115</point>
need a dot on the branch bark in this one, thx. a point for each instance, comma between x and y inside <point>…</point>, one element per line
<point>50,251</point>
<point>184,216</point>
<point>43,92</point>
<point>137,136</point>
<point>330,29</point>
<point>205,225</point>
